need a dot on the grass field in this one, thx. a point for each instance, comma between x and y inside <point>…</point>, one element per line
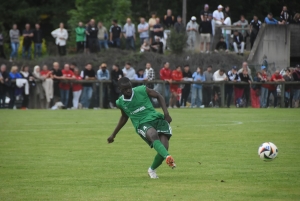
<point>63,155</point>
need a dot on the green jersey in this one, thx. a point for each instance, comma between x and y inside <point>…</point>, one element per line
<point>139,107</point>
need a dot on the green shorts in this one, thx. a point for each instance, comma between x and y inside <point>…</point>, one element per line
<point>160,125</point>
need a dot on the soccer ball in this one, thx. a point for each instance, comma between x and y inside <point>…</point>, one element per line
<point>267,151</point>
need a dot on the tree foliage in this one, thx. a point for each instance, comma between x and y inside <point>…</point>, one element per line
<point>177,41</point>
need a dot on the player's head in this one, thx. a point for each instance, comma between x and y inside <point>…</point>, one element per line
<point>125,87</point>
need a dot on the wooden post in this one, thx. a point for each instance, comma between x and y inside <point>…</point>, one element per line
<point>101,95</point>
<point>222,87</point>
<point>282,105</point>
<point>184,12</point>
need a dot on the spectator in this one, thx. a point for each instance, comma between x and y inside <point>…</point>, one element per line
<point>169,20</point>
<point>14,35</point>
<point>149,74</point>
<point>244,76</point>
<point>159,31</point>
<point>102,36</point>
<point>103,74</point>
<point>26,74</point>
<point>115,34</point>
<point>207,89</point>
<point>152,22</point>
<point>73,65</point>
<point>2,54</point>
<point>218,15</point>
<point>4,78</point>
<point>39,91</point>
<point>254,29</point>
<point>87,41</point>
<point>27,40</point>
<point>140,76</point>
<point>210,18</point>
<point>128,71</point>
<point>187,76</point>
<point>218,76</point>
<point>197,88</point>
<point>77,89</point>
<point>80,37</point>
<point>176,76</point>
<point>87,91</point>
<point>157,45</point>
<point>245,67</point>
<point>47,84</point>
<point>256,91</point>
<point>179,26</point>
<point>204,12</point>
<point>270,20</point>
<point>129,34</point>
<point>238,42</point>
<point>92,33</point>
<point>14,90</point>
<point>61,37</point>
<point>67,74</point>
<point>221,45</point>
<point>57,76</point>
<point>145,46</point>
<point>166,75</point>
<point>233,77</point>
<point>287,95</point>
<point>143,28</point>
<point>264,88</point>
<point>116,74</point>
<point>192,30</point>
<point>297,18</point>
<point>227,10</point>
<point>205,32</point>
<point>227,32</point>
<point>296,77</point>
<point>38,40</point>
<point>243,23</point>
<point>276,77</point>
<point>285,16</point>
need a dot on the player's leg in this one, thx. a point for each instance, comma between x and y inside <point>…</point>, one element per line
<point>152,136</point>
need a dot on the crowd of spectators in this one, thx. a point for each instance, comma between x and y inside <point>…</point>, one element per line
<point>43,87</point>
<point>153,33</point>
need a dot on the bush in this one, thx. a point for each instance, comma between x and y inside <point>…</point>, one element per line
<point>177,41</point>
<point>44,48</point>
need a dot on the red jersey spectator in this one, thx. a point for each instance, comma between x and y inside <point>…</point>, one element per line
<point>45,72</point>
<point>176,76</point>
<point>166,75</point>
<point>65,87</point>
<point>77,88</point>
<point>276,77</point>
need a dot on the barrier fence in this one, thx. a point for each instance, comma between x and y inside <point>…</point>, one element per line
<point>220,84</point>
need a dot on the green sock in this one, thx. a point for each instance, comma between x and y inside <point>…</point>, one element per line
<point>158,159</point>
<point>160,148</point>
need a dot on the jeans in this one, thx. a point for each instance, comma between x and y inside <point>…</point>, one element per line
<point>103,43</point>
<point>26,53</point>
<point>196,96</point>
<point>142,40</point>
<point>117,42</point>
<point>227,36</point>
<point>64,97</point>
<point>274,92</point>
<point>167,94</point>
<point>37,50</point>
<point>130,43</point>
<point>296,94</point>
<point>228,94</point>
<point>93,45</point>
<point>61,50</point>
<point>14,50</point>
<point>185,94</point>
<point>86,96</point>
<point>80,46</point>
<point>263,97</point>
<point>207,93</point>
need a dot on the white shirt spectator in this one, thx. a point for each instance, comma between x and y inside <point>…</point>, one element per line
<point>227,22</point>
<point>129,73</point>
<point>218,16</point>
<point>61,36</point>
<point>217,77</point>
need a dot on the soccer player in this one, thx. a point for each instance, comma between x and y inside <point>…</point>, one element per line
<point>153,127</point>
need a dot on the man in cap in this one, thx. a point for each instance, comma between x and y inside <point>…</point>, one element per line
<point>192,30</point>
<point>205,11</point>
<point>296,77</point>
<point>233,76</point>
<point>218,15</point>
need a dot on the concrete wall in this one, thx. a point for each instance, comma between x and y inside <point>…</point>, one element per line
<point>295,40</point>
<point>272,41</point>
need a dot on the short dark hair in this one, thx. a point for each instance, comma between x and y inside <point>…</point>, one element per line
<point>222,70</point>
<point>186,65</point>
<point>271,14</point>
<point>123,80</point>
<point>153,13</point>
<point>209,66</point>
<point>116,65</point>
<point>221,37</point>
<point>127,63</point>
<point>178,66</point>
<point>115,21</point>
<point>165,63</point>
<point>88,64</point>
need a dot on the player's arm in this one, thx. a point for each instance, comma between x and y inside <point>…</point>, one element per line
<point>122,121</point>
<point>161,100</point>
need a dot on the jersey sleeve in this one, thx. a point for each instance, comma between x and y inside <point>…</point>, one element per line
<point>141,89</point>
<point>118,104</point>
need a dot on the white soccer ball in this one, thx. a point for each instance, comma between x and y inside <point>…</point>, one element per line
<point>267,151</point>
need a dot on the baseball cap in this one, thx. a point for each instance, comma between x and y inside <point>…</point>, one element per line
<point>193,18</point>
<point>220,6</point>
<point>234,67</point>
<point>298,66</point>
<point>263,67</point>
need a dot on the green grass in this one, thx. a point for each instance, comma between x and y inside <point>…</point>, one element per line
<point>63,155</point>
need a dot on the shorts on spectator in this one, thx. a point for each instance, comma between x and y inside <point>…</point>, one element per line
<point>205,38</point>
